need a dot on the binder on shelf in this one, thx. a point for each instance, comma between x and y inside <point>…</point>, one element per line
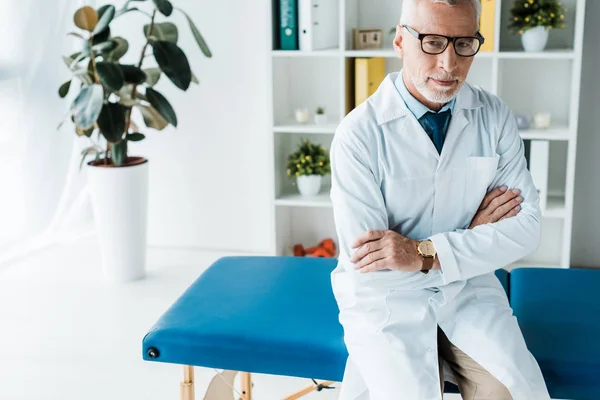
<point>487,23</point>
<point>288,24</point>
<point>318,24</point>
<point>368,75</point>
<point>539,156</point>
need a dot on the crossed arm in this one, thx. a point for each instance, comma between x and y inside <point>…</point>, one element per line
<point>499,234</point>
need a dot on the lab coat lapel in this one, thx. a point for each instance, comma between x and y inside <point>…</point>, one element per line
<point>466,100</point>
<point>422,139</point>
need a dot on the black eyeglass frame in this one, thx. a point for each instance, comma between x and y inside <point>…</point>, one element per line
<point>449,39</point>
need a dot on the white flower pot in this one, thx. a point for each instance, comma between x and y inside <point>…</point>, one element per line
<point>309,185</point>
<point>535,39</point>
<point>320,119</point>
<point>120,204</point>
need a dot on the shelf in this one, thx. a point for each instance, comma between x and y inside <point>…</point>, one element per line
<point>552,133</point>
<point>308,128</point>
<point>298,53</point>
<point>296,200</point>
<point>547,54</point>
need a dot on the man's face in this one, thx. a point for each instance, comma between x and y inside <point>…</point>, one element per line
<point>435,78</point>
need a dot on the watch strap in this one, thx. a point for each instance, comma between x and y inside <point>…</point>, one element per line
<point>427,264</point>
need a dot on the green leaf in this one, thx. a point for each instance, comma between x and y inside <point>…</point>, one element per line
<point>194,79</point>
<point>119,152</point>
<point>100,48</point>
<point>102,36</point>
<point>110,74</point>
<point>105,14</point>
<point>119,51</point>
<point>161,105</point>
<point>111,121</point>
<point>164,6</point>
<point>63,90</point>
<point>133,74</point>
<point>87,105</point>
<point>85,75</point>
<point>199,39</point>
<point>86,18</point>
<point>163,31</point>
<point>152,118</point>
<point>104,47</point>
<point>76,60</point>
<point>135,137</point>
<point>173,62</point>
<point>152,76</point>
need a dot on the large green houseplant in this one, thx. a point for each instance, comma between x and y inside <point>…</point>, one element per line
<point>110,90</point>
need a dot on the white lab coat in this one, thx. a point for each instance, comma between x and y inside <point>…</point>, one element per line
<point>387,174</point>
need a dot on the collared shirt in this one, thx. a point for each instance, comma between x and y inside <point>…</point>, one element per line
<point>414,105</point>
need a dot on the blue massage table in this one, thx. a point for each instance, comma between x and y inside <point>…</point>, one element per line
<point>277,315</point>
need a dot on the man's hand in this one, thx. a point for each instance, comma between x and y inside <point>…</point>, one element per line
<point>386,250</point>
<point>497,205</point>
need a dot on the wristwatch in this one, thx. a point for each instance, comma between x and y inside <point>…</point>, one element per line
<point>426,249</point>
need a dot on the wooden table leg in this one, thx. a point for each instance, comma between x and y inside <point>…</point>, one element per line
<point>246,385</point>
<point>186,391</point>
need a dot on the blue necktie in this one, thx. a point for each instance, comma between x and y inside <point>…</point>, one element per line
<point>436,124</point>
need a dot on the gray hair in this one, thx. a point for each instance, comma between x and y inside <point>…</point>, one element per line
<point>408,8</point>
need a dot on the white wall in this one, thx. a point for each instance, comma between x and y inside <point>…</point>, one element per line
<point>210,182</point>
<point>585,249</point>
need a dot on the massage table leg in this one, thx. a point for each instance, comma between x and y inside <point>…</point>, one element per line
<point>246,385</point>
<point>186,388</point>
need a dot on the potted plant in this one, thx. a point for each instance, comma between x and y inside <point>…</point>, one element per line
<point>320,116</point>
<point>532,19</point>
<point>307,165</point>
<point>108,92</point>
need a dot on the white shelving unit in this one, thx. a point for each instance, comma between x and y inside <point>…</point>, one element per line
<point>527,82</point>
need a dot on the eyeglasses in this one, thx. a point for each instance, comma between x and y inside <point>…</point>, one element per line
<point>464,46</point>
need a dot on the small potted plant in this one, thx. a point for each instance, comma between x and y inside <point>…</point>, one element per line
<point>110,96</point>
<point>533,19</point>
<point>320,116</point>
<point>307,165</point>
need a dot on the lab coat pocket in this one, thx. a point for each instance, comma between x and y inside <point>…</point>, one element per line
<point>481,170</point>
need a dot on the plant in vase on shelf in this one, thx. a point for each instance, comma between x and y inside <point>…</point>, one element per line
<point>307,165</point>
<point>108,94</point>
<point>320,116</point>
<point>532,19</point>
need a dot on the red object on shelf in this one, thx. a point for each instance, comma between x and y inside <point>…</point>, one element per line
<point>324,249</point>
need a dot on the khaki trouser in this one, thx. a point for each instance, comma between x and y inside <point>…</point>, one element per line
<point>474,382</point>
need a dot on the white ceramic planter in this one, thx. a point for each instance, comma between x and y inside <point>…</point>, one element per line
<point>535,39</point>
<point>309,185</point>
<point>120,204</point>
<point>320,119</point>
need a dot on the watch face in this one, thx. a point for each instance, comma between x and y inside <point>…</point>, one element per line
<point>426,248</point>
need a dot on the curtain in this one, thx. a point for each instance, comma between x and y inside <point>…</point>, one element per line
<point>43,195</point>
